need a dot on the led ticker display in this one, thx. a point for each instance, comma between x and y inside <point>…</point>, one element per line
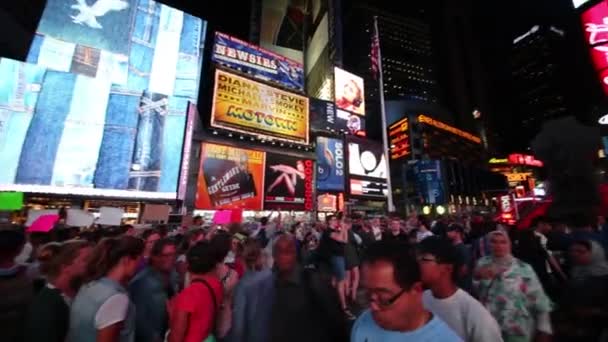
<point>399,141</point>
<point>443,126</point>
<point>251,107</point>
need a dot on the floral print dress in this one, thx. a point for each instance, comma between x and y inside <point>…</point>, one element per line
<point>514,297</point>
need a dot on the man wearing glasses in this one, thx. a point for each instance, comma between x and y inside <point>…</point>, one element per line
<point>439,264</point>
<point>391,277</point>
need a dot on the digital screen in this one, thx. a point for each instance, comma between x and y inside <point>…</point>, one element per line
<point>288,183</point>
<point>366,159</point>
<point>327,203</point>
<point>399,140</point>
<point>282,27</point>
<point>349,92</point>
<point>230,178</point>
<point>330,164</point>
<point>360,187</point>
<point>100,108</point>
<point>350,123</point>
<point>260,63</point>
<point>247,106</point>
<point>322,115</point>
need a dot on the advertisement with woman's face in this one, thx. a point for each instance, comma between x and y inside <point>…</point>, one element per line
<point>349,92</point>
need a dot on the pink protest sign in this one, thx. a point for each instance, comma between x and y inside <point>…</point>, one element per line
<point>228,216</point>
<point>43,224</point>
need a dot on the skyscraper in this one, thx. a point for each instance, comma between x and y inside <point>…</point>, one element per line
<point>540,80</point>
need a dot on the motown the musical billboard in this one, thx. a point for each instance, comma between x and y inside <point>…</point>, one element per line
<point>251,107</point>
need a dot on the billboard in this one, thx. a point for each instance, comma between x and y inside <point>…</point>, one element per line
<point>366,159</point>
<point>366,188</point>
<point>349,92</point>
<point>261,63</point>
<point>100,108</point>
<point>429,181</point>
<point>251,107</point>
<point>350,123</point>
<point>230,178</point>
<point>288,183</point>
<point>282,27</point>
<point>322,115</point>
<point>399,140</point>
<point>330,164</point>
<point>327,203</point>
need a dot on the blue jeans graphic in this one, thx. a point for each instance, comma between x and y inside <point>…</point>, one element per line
<point>44,134</point>
<point>172,143</point>
<point>32,56</point>
<point>76,161</point>
<point>147,158</point>
<point>19,88</point>
<point>116,150</point>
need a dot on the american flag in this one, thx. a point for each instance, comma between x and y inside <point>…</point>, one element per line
<point>375,52</point>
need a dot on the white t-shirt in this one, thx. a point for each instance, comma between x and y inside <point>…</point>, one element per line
<point>112,311</point>
<point>465,315</point>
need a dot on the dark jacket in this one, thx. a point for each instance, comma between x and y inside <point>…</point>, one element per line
<point>48,318</point>
<point>303,308</point>
<point>16,293</point>
<point>149,295</point>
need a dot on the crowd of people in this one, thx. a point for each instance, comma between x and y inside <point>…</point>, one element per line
<point>347,278</point>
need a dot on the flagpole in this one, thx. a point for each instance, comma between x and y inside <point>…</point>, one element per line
<point>391,206</point>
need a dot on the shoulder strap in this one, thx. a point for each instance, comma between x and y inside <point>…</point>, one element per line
<point>216,308</point>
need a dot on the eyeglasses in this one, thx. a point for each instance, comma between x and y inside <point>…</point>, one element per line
<point>385,302</point>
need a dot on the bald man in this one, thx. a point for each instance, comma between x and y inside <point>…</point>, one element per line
<point>291,304</point>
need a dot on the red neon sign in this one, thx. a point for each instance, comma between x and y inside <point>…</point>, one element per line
<point>595,24</point>
<point>524,159</point>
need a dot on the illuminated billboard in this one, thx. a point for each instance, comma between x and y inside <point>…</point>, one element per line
<point>100,108</point>
<point>230,178</point>
<point>350,123</point>
<point>322,115</point>
<point>251,107</point>
<point>366,159</point>
<point>330,164</point>
<point>399,140</point>
<point>350,94</point>
<point>366,188</point>
<point>261,63</point>
<point>282,27</point>
<point>288,183</point>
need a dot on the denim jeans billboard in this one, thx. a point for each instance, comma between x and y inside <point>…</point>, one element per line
<point>111,82</point>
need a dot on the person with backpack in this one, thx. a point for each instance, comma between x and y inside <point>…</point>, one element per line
<point>193,313</point>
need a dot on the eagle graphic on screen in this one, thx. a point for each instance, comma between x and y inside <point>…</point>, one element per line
<point>88,14</point>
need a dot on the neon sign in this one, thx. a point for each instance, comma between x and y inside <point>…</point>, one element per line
<point>524,159</point>
<point>399,139</point>
<point>443,126</point>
